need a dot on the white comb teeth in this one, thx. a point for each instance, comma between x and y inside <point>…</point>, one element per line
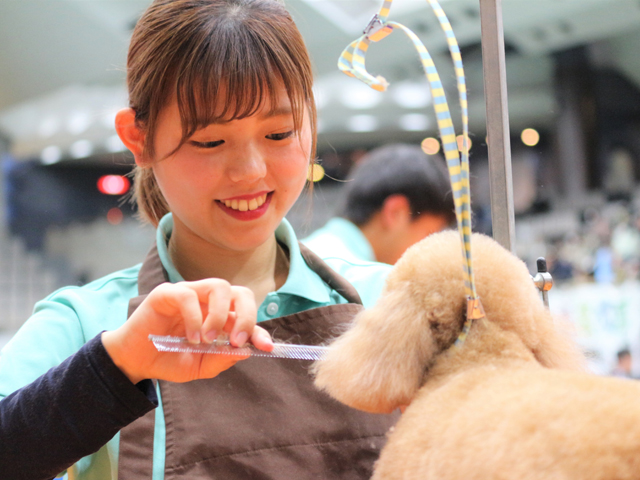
<point>223,347</point>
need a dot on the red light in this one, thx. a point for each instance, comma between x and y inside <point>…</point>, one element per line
<point>113,184</point>
<point>115,216</point>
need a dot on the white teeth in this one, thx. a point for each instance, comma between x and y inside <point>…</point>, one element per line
<point>246,205</point>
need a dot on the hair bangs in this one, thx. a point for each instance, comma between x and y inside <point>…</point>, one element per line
<point>235,78</point>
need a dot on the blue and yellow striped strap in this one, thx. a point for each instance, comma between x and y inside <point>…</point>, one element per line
<point>352,62</point>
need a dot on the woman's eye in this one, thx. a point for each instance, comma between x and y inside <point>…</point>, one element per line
<point>280,136</point>
<point>217,143</point>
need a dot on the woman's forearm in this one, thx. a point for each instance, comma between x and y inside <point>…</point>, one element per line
<point>67,413</point>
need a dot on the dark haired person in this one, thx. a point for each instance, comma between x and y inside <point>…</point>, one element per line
<point>624,364</point>
<point>396,196</point>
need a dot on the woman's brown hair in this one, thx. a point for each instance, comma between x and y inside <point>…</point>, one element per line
<point>207,53</point>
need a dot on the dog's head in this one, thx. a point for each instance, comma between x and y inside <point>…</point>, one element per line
<point>381,362</point>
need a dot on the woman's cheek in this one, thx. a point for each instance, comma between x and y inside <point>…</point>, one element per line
<point>295,166</point>
<point>305,152</point>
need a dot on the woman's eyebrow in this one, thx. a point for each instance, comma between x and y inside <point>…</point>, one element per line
<point>277,112</point>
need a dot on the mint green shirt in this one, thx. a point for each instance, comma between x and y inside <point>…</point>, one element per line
<point>69,317</point>
<point>340,238</point>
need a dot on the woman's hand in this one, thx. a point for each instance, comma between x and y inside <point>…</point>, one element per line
<point>196,310</point>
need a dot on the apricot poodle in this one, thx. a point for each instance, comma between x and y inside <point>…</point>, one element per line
<point>513,402</point>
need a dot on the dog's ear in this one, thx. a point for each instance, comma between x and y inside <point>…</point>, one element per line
<point>555,347</point>
<point>512,302</point>
<point>379,364</point>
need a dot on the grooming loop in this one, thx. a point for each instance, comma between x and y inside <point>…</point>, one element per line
<point>352,62</point>
<point>376,30</point>
<point>543,280</point>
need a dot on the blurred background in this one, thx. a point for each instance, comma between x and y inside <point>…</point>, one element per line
<point>574,104</point>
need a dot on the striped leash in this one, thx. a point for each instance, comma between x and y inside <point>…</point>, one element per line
<point>352,62</point>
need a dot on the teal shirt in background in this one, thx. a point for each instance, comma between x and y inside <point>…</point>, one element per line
<point>340,238</point>
<point>64,321</point>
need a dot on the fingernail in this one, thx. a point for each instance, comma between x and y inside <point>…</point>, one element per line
<point>241,338</point>
<point>195,337</point>
<point>210,336</point>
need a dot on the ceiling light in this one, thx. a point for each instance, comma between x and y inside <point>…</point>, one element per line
<point>430,146</point>
<point>81,149</point>
<point>115,216</point>
<point>51,154</point>
<point>109,119</point>
<point>49,127</point>
<point>411,94</point>
<point>321,96</point>
<point>316,172</point>
<point>113,184</point>
<point>530,137</point>
<point>414,122</point>
<point>359,96</point>
<point>113,144</point>
<point>78,122</point>
<point>459,140</point>
<point>362,123</point>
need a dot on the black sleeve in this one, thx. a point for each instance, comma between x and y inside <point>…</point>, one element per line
<point>69,412</point>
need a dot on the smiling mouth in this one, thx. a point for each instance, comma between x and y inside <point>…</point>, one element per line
<point>242,205</point>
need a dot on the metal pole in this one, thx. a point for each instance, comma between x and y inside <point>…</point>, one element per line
<point>495,90</point>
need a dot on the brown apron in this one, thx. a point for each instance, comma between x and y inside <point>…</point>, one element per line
<point>263,418</point>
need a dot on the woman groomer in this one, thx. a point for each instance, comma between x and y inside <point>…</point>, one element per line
<point>222,126</point>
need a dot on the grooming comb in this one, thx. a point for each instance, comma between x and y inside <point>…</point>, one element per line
<point>224,347</point>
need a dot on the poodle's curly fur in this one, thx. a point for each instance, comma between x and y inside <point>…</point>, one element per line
<point>513,402</point>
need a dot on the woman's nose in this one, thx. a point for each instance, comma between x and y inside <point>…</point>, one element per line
<point>248,166</point>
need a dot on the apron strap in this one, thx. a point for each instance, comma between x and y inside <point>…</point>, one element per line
<point>136,439</point>
<point>152,273</point>
<point>329,276</point>
<point>136,448</point>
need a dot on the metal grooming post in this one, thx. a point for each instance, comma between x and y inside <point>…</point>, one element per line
<point>495,88</point>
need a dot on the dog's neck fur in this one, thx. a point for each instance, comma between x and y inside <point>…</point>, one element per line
<point>488,345</point>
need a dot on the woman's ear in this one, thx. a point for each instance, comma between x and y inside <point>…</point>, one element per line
<point>131,134</point>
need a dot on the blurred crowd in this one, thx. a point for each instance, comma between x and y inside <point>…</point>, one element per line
<point>602,246</point>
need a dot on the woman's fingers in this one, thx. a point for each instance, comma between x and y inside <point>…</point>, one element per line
<point>216,295</point>
<point>181,300</point>
<point>231,309</point>
<point>246,313</point>
<point>261,339</point>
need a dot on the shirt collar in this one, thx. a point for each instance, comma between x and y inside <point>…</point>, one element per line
<point>163,234</point>
<point>352,237</point>
<point>301,281</point>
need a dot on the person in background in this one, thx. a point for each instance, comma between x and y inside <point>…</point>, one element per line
<point>396,196</point>
<point>623,368</point>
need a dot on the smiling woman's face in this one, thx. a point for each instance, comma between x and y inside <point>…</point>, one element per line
<point>230,184</point>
